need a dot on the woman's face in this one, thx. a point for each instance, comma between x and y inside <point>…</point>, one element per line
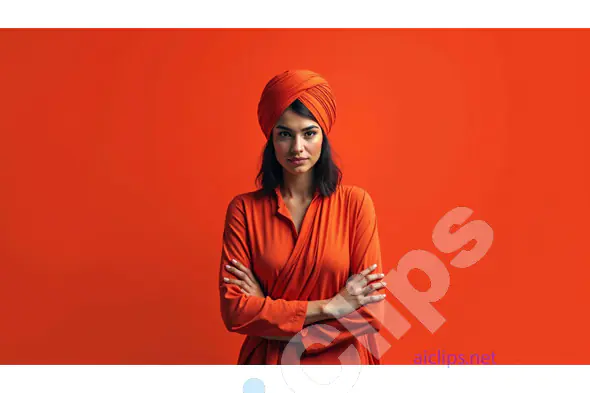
<point>295,136</point>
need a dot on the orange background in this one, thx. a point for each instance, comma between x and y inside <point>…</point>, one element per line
<point>120,150</point>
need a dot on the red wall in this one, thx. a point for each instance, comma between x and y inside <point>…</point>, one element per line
<point>120,150</point>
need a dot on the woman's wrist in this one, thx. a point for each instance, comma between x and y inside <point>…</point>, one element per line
<point>327,309</point>
<point>317,311</point>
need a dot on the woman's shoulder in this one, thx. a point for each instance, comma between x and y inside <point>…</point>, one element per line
<point>240,204</point>
<point>356,198</point>
<point>352,192</point>
<point>249,196</point>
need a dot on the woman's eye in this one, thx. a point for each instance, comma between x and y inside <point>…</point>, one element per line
<point>286,134</point>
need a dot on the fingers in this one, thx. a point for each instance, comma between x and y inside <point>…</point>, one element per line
<point>236,272</point>
<point>373,287</point>
<point>240,274</point>
<point>246,281</point>
<point>239,283</point>
<point>363,278</point>
<point>243,286</point>
<point>373,277</point>
<point>368,270</point>
<point>372,299</point>
<point>358,284</point>
<point>244,269</point>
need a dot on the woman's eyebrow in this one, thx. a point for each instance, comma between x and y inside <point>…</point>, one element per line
<point>280,127</point>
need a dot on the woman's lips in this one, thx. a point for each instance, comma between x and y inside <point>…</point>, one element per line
<point>297,161</point>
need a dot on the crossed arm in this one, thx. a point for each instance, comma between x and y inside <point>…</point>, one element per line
<point>357,292</point>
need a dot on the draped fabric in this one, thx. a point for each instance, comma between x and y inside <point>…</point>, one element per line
<point>338,237</point>
<point>307,86</point>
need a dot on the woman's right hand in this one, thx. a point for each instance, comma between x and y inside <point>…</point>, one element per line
<point>356,293</point>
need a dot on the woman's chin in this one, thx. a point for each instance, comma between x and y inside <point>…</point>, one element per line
<point>298,170</point>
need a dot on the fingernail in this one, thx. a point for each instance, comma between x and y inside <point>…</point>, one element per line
<point>225,279</point>
<point>374,266</point>
<point>383,295</point>
<point>227,266</point>
<point>382,275</point>
<point>234,261</point>
<point>384,283</point>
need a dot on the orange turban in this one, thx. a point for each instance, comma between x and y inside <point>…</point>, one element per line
<point>307,86</point>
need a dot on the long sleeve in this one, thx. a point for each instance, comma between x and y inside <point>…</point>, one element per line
<point>364,252</point>
<point>251,315</point>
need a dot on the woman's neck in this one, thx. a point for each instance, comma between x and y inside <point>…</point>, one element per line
<point>298,187</point>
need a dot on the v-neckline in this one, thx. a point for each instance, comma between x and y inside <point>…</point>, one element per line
<point>297,231</point>
<point>301,239</point>
<point>286,213</point>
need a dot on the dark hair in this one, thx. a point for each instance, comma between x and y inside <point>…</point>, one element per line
<point>326,174</point>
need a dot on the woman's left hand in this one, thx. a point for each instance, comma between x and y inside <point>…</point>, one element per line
<point>246,280</point>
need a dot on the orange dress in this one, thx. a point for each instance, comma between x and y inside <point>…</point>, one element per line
<point>338,238</point>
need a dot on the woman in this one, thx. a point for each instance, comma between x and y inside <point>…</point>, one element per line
<point>301,264</point>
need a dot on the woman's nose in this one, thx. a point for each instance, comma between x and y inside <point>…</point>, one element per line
<point>297,145</point>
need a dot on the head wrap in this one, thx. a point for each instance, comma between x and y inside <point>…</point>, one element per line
<point>307,86</point>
